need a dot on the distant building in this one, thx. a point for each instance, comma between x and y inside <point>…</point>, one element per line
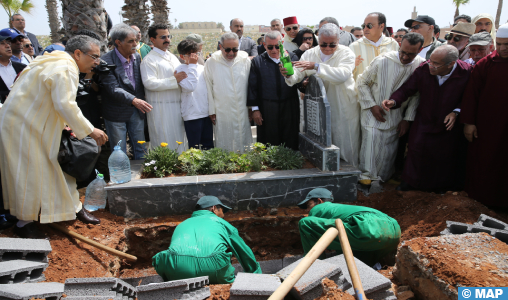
<point>264,28</point>
<point>251,28</point>
<point>199,25</point>
<point>414,14</point>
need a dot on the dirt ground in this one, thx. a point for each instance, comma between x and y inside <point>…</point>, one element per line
<point>271,234</point>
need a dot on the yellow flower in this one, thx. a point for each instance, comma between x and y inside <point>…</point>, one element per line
<point>141,142</point>
<point>164,144</point>
<point>179,143</point>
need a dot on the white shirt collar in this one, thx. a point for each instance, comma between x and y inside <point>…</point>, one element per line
<point>163,53</point>
<point>8,65</point>
<point>442,79</point>
<point>275,60</point>
<point>325,57</point>
<point>378,42</point>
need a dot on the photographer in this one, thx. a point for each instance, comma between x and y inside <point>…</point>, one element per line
<point>42,101</point>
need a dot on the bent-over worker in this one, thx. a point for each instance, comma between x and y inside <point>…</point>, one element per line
<point>371,233</point>
<point>199,247</point>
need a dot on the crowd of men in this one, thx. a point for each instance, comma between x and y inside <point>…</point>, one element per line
<point>443,98</point>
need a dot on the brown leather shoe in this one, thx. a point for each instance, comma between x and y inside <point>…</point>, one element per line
<point>29,231</point>
<point>84,216</point>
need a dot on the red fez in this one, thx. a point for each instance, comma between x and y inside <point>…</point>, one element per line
<point>290,20</point>
<point>390,30</point>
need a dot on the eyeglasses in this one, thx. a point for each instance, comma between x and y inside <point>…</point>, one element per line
<point>403,53</point>
<point>431,65</point>
<point>294,28</point>
<point>398,36</point>
<point>230,49</point>
<point>94,57</point>
<point>309,38</point>
<point>416,27</point>
<point>370,26</point>
<point>166,37</point>
<point>270,47</point>
<point>6,42</point>
<point>450,36</point>
<point>324,45</point>
<point>29,46</point>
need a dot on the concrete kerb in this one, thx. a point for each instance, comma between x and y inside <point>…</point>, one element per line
<point>26,291</point>
<point>20,271</point>
<point>309,285</point>
<point>102,286</point>
<point>192,288</point>
<point>461,228</point>
<point>27,249</point>
<point>244,289</point>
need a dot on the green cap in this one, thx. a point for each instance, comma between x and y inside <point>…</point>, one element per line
<point>209,201</point>
<point>316,193</point>
<point>195,38</point>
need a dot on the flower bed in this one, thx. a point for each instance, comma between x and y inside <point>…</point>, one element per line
<point>163,162</point>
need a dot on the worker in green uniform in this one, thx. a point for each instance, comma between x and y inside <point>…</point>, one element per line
<point>371,233</point>
<point>199,247</point>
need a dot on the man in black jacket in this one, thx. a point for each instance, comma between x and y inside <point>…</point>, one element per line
<point>18,22</point>
<point>8,69</point>
<point>275,105</point>
<point>122,92</point>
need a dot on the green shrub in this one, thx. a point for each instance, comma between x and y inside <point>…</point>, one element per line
<point>191,161</point>
<point>282,158</point>
<point>161,161</point>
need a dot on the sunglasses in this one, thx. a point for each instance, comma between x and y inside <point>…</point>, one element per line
<point>29,46</point>
<point>231,49</point>
<point>398,36</point>
<point>450,36</point>
<point>416,27</point>
<point>166,37</point>
<point>309,38</point>
<point>289,28</point>
<point>270,47</point>
<point>324,45</point>
<point>370,26</point>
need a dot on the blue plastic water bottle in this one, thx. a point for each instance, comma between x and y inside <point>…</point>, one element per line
<point>119,166</point>
<point>95,197</point>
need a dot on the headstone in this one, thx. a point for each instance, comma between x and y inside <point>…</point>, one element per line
<point>315,142</point>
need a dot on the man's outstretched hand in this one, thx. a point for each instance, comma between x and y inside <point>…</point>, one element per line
<point>387,104</point>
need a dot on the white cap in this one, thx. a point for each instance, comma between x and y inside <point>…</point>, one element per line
<point>502,31</point>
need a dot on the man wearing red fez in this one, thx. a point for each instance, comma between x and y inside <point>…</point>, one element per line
<point>291,27</point>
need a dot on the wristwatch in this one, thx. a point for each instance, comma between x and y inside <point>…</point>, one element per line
<point>456,113</point>
<point>316,66</point>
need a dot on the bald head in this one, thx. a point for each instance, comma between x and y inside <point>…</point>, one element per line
<point>443,59</point>
<point>138,35</point>
<point>236,26</point>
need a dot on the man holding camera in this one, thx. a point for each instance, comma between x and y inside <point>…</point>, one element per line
<point>41,102</point>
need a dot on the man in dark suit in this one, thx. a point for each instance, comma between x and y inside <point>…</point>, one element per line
<point>122,92</point>
<point>18,24</point>
<point>246,44</point>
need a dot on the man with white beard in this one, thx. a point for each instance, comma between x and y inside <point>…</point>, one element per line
<point>334,64</point>
<point>165,122</point>
<point>227,75</point>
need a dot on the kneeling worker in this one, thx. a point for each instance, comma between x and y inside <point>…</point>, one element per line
<point>199,247</point>
<point>371,233</point>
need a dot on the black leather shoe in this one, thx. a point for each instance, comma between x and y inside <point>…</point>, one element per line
<point>404,187</point>
<point>84,216</point>
<point>29,231</point>
<point>6,224</point>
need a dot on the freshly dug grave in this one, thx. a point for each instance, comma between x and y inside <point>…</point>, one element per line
<point>274,236</point>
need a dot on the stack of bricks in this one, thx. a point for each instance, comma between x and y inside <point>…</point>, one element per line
<point>485,224</point>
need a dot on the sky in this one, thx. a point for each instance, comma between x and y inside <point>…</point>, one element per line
<point>254,13</point>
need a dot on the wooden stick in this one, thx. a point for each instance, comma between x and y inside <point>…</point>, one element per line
<point>304,265</point>
<point>350,260</point>
<point>92,243</point>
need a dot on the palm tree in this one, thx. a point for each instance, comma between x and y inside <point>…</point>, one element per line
<point>458,3</point>
<point>54,22</point>
<point>136,13</point>
<point>13,7</point>
<point>498,15</point>
<point>84,14</point>
<point>160,12</point>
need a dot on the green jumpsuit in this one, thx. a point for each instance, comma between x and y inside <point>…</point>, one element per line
<point>199,248</point>
<point>371,233</point>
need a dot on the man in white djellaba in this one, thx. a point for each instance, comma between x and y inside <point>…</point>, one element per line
<point>334,64</point>
<point>227,75</point>
<point>165,122</point>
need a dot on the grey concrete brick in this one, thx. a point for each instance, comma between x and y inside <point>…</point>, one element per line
<point>197,294</point>
<point>490,222</point>
<point>309,285</point>
<point>95,298</point>
<point>28,249</point>
<point>371,279</point>
<point>286,261</point>
<point>99,286</point>
<point>461,228</point>
<point>253,286</point>
<point>26,291</point>
<point>20,271</point>
<point>386,294</point>
<point>267,266</point>
<point>162,291</point>
<point>137,281</point>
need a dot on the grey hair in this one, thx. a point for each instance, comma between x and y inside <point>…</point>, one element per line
<point>451,53</point>
<point>228,36</point>
<point>120,32</point>
<point>12,17</point>
<point>414,38</point>
<point>272,35</point>
<point>275,20</point>
<point>81,42</point>
<point>329,29</point>
<point>330,20</point>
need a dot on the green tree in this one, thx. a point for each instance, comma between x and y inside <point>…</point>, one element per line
<point>220,25</point>
<point>15,6</point>
<point>458,3</point>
